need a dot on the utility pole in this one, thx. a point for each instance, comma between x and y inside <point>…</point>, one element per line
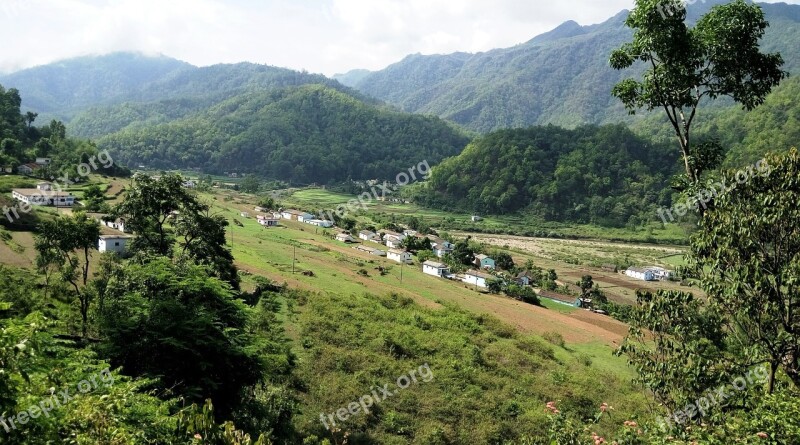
<point>294,257</point>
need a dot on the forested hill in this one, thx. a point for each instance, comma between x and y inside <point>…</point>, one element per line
<point>94,83</point>
<point>602,175</point>
<point>561,77</point>
<point>305,134</point>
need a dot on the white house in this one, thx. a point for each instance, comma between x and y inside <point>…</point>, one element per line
<point>305,217</point>
<point>345,238</point>
<point>393,242</point>
<point>43,198</point>
<point>659,273</point>
<point>291,214</point>
<point>44,186</point>
<point>366,235</point>
<point>189,184</point>
<point>113,243</point>
<point>476,278</point>
<point>401,256</point>
<point>320,222</point>
<point>267,221</point>
<point>43,161</point>
<point>435,269</point>
<point>244,215</point>
<point>476,218</point>
<point>640,273</point>
<point>116,224</point>
<point>441,247</point>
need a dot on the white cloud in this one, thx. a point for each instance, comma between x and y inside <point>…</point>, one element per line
<point>326,36</point>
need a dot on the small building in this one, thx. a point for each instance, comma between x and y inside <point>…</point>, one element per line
<point>28,169</point>
<point>476,218</point>
<point>659,273</point>
<point>345,238</point>
<point>43,198</point>
<point>305,217</point>
<point>367,235</point>
<point>435,269</point>
<point>524,278</point>
<point>401,256</point>
<point>44,186</point>
<point>477,278</point>
<point>441,247</point>
<point>393,242</point>
<point>320,223</point>
<point>267,221</point>
<point>116,224</point>
<point>113,243</point>
<point>291,214</point>
<point>190,184</point>
<point>43,161</point>
<point>484,262</point>
<point>244,215</point>
<point>8,169</point>
<point>260,209</point>
<point>409,232</point>
<point>640,273</point>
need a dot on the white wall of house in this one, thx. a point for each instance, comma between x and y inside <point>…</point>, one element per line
<point>112,244</point>
<point>402,257</point>
<point>433,270</point>
<point>474,280</point>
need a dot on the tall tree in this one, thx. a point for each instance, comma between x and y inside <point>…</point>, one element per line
<point>59,243</point>
<point>719,56</point>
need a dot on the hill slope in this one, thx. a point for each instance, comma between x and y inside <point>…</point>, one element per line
<point>305,134</point>
<point>600,175</point>
<point>561,77</point>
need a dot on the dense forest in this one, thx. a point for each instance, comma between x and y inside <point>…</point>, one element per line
<point>603,175</point>
<point>559,78</point>
<point>307,134</point>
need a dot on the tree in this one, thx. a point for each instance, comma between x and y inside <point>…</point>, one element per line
<point>204,242</point>
<point>503,260</point>
<point>586,284</point>
<point>94,198</point>
<point>463,252</point>
<point>747,257</point>
<point>174,323</point>
<point>57,243</point>
<point>719,56</point>
<point>250,184</point>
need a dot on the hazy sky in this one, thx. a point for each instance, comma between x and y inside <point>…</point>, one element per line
<point>321,36</point>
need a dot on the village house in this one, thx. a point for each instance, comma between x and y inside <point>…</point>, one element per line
<point>640,273</point>
<point>43,161</point>
<point>28,169</point>
<point>320,223</point>
<point>441,247</point>
<point>476,278</point>
<point>244,215</point>
<point>267,221</point>
<point>113,243</point>
<point>476,218</point>
<point>43,198</point>
<point>291,214</point>
<point>484,262</point>
<point>44,186</point>
<point>435,269</point>
<point>345,238</point>
<point>401,256</point>
<point>116,224</point>
<point>524,278</point>
<point>189,184</point>
<point>366,235</point>
<point>305,217</point>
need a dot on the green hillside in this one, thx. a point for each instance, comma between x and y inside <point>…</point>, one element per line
<point>304,134</point>
<point>602,175</point>
<point>561,77</point>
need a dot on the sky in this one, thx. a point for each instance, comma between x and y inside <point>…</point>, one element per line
<point>320,36</point>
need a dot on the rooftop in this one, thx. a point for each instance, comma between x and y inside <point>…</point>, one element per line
<point>436,265</point>
<point>45,193</point>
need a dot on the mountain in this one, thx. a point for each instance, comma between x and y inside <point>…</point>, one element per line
<point>60,88</point>
<point>601,175</point>
<point>303,134</point>
<point>561,77</point>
